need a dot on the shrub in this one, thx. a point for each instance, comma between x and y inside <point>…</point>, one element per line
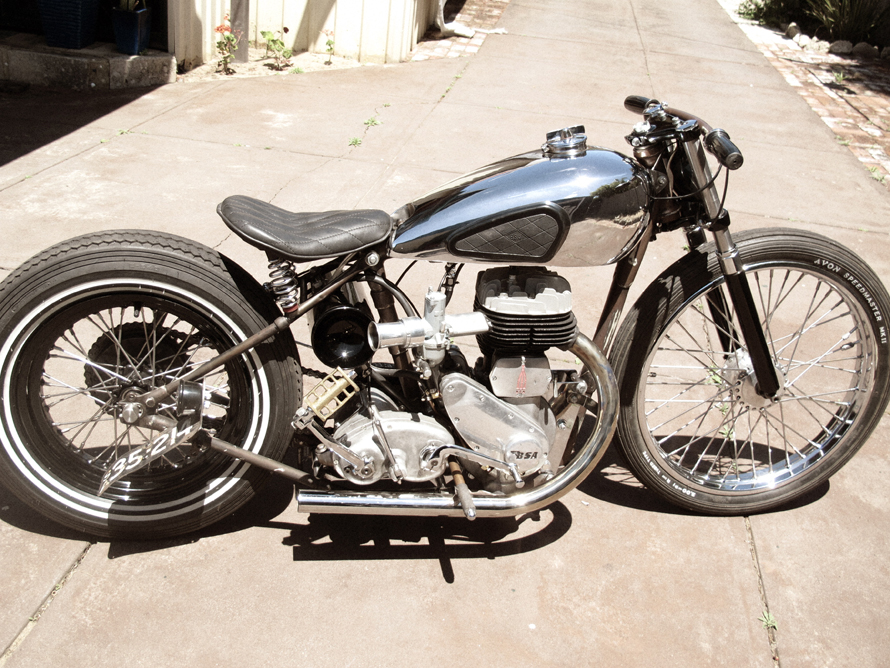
<point>852,20</point>
<point>772,12</point>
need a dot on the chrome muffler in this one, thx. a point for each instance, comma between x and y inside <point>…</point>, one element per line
<point>597,371</point>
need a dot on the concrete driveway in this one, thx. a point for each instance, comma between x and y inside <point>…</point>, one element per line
<point>610,576</point>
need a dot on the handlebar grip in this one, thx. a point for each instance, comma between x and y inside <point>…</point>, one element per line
<point>728,154</point>
<point>638,103</point>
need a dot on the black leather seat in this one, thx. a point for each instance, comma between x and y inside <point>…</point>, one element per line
<point>303,236</point>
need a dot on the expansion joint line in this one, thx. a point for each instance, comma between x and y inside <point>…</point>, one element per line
<point>771,629</point>
<point>453,81</point>
<point>34,618</point>
<point>643,49</point>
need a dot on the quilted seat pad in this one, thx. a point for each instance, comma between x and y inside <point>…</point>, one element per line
<point>303,236</point>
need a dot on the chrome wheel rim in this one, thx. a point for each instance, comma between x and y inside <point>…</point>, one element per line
<point>697,401</point>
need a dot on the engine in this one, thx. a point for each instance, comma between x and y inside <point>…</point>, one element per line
<point>529,308</point>
<point>497,419</point>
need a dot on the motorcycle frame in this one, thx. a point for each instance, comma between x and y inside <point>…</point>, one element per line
<point>368,267</point>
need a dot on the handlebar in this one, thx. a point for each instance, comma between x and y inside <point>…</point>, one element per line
<point>717,141</point>
<point>727,153</point>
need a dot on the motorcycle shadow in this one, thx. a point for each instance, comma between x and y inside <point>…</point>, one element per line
<point>613,482</point>
<point>15,513</point>
<point>350,537</point>
<point>340,537</point>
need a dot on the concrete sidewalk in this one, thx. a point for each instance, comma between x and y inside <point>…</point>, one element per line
<point>610,576</point>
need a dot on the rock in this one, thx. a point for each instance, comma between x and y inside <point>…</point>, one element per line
<point>885,52</point>
<point>841,47</point>
<point>865,50</point>
<point>802,40</point>
<point>792,31</point>
<point>817,45</point>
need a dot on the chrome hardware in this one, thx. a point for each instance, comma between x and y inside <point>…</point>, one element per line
<point>695,154</point>
<point>738,374</point>
<point>283,284</point>
<point>575,388</point>
<point>394,471</point>
<point>406,333</point>
<point>727,252</point>
<point>529,499</point>
<point>656,111</point>
<point>566,142</point>
<point>132,412</point>
<point>433,457</point>
<point>432,331</point>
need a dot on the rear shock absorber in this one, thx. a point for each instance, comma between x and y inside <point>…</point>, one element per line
<point>283,284</point>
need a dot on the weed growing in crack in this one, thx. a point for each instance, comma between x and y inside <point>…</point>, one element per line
<point>768,621</point>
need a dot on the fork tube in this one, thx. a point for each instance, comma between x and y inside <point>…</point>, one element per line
<point>695,155</point>
<point>746,310</point>
<point>716,299</point>
<point>736,281</point>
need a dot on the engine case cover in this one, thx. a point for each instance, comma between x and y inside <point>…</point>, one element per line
<point>408,435</point>
<point>493,426</point>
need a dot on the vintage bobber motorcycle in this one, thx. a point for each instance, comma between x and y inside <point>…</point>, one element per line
<point>149,383</point>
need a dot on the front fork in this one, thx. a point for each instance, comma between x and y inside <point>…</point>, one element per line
<point>745,310</point>
<point>734,273</point>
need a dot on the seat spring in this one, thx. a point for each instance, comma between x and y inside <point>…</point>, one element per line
<point>283,284</point>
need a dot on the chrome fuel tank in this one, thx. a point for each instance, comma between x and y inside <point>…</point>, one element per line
<point>584,208</point>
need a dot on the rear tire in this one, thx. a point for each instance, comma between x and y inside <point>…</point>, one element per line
<point>691,424</point>
<point>94,317</point>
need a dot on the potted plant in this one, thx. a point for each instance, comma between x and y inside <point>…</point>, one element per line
<point>132,26</point>
<point>69,24</point>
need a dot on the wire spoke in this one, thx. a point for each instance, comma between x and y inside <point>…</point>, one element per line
<point>701,408</point>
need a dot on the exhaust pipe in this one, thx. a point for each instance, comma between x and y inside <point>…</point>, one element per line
<point>597,370</point>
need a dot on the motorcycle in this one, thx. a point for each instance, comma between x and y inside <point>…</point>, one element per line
<point>148,384</point>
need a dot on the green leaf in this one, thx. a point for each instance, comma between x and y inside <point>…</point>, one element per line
<point>767,619</point>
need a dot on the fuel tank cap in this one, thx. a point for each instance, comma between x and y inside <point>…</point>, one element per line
<point>566,142</point>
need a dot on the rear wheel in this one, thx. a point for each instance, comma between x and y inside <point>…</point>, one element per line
<point>692,425</point>
<point>103,317</point>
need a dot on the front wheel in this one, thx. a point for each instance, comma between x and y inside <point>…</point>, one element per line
<point>692,425</point>
<point>96,319</point>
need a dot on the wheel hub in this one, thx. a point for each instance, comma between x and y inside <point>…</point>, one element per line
<point>738,374</point>
<point>119,365</point>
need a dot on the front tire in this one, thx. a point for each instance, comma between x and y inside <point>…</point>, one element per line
<point>97,317</point>
<point>692,425</point>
